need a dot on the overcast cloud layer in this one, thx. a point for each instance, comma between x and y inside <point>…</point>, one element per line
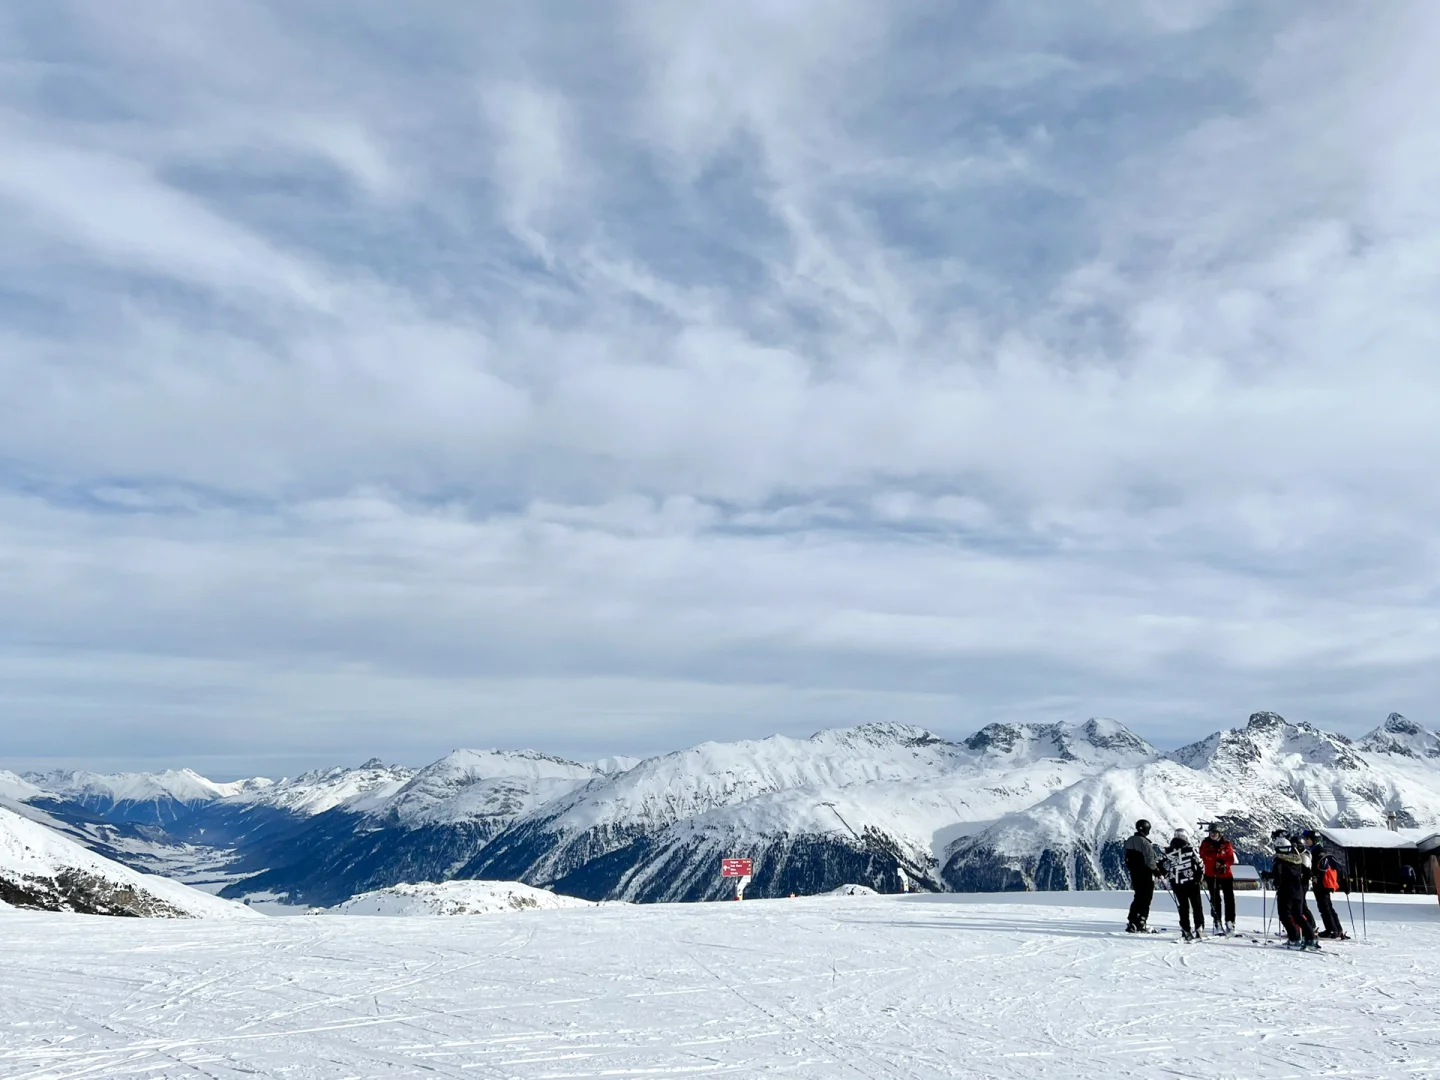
<point>603,377</point>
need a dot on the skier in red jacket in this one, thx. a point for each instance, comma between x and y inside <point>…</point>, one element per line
<point>1218,856</point>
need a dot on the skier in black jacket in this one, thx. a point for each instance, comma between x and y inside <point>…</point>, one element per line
<point>1144,869</point>
<point>1291,873</point>
<point>1185,870</point>
<point>1325,875</point>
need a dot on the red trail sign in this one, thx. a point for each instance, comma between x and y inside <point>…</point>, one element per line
<point>735,867</point>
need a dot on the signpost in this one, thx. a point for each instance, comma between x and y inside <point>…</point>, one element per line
<point>740,870</point>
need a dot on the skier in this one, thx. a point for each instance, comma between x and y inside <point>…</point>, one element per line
<point>1291,876</point>
<point>1218,855</point>
<point>1141,862</point>
<point>1407,878</point>
<point>1326,870</point>
<point>1184,868</point>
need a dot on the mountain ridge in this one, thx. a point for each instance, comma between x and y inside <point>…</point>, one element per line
<point>889,805</point>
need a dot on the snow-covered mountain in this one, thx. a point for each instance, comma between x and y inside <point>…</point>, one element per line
<point>1402,738</point>
<point>454,898</point>
<point>422,825</point>
<point>149,798</point>
<point>39,868</point>
<point>324,789</point>
<point>884,805</point>
<point>876,803</point>
<point>1269,774</point>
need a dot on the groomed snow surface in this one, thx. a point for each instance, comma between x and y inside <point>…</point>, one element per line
<point>995,986</point>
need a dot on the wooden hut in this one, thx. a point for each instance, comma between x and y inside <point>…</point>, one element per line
<point>1377,858</point>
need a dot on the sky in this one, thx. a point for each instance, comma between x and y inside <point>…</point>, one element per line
<point>380,379</point>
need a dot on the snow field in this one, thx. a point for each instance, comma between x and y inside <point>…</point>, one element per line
<point>1017,986</point>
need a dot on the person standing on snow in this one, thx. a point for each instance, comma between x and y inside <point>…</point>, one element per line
<point>1185,869</point>
<point>1291,875</point>
<point>1218,855</point>
<point>1325,871</point>
<point>1144,869</point>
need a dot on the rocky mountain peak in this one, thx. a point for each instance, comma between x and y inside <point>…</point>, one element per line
<point>1265,721</point>
<point>1107,734</point>
<point>998,737</point>
<point>1403,738</point>
<point>882,733</point>
<point>1396,724</point>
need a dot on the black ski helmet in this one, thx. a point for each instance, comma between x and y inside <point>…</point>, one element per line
<point>1142,827</point>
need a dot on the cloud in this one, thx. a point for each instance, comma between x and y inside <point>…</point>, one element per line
<point>950,363</point>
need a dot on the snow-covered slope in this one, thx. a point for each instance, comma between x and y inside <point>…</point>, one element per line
<point>17,788</point>
<point>469,785</point>
<point>1038,986</point>
<point>454,898</point>
<point>41,869</point>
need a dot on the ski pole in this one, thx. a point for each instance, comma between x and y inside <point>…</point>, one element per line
<point>1352,912</point>
<point>1265,906</point>
<point>1174,900</point>
<point>1365,925</point>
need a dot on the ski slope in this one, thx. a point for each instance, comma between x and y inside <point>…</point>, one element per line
<point>866,987</point>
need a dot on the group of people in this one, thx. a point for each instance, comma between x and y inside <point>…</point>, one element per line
<point>1301,863</point>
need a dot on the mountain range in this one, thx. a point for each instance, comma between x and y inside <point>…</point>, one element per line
<point>888,806</point>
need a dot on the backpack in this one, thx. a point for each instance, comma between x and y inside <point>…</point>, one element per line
<point>1330,880</point>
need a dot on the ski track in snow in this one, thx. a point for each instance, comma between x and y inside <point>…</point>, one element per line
<point>885,988</point>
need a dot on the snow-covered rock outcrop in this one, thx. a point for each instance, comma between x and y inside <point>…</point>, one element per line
<point>41,869</point>
<point>454,898</point>
<point>852,890</point>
